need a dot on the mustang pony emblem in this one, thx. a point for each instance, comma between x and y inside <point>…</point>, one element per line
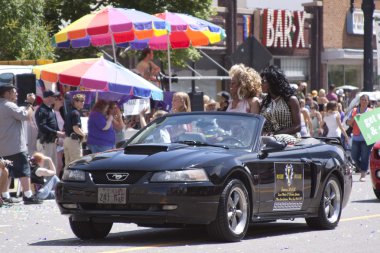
<point>289,174</point>
<point>117,176</point>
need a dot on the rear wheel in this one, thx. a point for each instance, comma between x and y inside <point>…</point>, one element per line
<point>86,230</point>
<point>232,221</point>
<point>330,207</point>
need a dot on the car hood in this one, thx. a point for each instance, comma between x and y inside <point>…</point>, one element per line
<point>155,157</point>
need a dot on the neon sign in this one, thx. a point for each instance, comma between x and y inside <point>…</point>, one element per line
<point>283,28</point>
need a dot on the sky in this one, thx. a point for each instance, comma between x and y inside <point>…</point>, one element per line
<point>277,4</point>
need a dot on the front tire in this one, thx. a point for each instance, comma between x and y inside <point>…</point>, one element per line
<point>330,207</point>
<point>232,220</point>
<point>377,193</point>
<point>86,230</point>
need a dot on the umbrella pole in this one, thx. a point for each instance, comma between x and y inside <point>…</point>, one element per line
<point>169,66</point>
<point>114,50</point>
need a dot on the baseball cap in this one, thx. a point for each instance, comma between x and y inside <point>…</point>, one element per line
<point>50,93</point>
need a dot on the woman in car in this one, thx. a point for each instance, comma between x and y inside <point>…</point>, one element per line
<point>280,106</point>
<point>245,89</point>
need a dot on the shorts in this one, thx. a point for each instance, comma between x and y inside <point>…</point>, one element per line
<point>20,166</point>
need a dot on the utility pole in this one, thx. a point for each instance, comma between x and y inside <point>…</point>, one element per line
<point>368,7</point>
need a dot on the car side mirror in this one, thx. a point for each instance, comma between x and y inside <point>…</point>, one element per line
<point>270,146</point>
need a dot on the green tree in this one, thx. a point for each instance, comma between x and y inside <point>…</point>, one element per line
<point>71,10</point>
<point>24,34</point>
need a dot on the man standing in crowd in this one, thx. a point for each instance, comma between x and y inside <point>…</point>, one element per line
<point>48,130</point>
<point>72,144</point>
<point>13,142</point>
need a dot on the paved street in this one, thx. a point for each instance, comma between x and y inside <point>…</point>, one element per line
<point>41,228</point>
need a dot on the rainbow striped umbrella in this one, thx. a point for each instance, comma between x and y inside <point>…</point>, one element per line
<point>108,26</point>
<point>185,30</point>
<point>98,74</point>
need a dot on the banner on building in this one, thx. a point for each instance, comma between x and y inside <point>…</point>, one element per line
<point>369,125</point>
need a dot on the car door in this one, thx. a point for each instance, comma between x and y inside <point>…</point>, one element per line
<point>283,181</point>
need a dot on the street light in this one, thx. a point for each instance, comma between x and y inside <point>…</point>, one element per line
<point>368,7</point>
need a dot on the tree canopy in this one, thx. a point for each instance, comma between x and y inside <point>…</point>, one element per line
<point>24,34</point>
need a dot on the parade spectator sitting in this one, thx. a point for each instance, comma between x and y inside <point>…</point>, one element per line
<point>48,129</point>
<point>101,135</point>
<point>46,173</point>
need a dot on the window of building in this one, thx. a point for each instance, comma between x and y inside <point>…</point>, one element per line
<point>295,69</point>
<point>344,75</point>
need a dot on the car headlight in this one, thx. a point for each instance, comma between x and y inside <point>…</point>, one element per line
<point>73,175</point>
<point>190,175</point>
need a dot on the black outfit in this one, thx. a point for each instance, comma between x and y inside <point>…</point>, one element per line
<point>47,124</point>
<point>72,119</point>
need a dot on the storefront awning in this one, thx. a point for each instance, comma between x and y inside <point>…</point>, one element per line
<point>344,56</point>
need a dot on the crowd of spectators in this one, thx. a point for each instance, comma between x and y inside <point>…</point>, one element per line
<point>54,139</point>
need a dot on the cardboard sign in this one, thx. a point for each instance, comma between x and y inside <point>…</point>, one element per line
<point>135,106</point>
<point>369,125</point>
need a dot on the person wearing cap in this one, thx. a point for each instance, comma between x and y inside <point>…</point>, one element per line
<point>13,143</point>
<point>48,130</point>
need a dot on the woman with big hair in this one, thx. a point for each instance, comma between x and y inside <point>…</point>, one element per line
<point>280,106</point>
<point>245,89</point>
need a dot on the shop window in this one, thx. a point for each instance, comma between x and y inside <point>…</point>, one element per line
<point>344,75</point>
<point>295,68</point>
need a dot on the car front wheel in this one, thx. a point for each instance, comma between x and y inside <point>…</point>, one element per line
<point>377,193</point>
<point>330,206</point>
<point>86,230</point>
<point>232,221</point>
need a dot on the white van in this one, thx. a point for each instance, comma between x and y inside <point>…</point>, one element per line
<point>8,72</point>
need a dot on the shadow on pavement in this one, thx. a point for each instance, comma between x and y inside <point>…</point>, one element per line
<point>166,237</point>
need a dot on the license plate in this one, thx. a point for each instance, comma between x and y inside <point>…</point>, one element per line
<point>112,195</point>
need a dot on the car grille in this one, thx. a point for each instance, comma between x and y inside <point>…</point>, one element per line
<point>100,177</point>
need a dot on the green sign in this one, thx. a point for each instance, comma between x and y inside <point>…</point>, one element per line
<point>369,124</point>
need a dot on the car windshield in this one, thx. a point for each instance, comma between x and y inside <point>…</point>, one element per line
<point>226,130</point>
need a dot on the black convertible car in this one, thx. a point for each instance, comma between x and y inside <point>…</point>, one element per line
<point>206,169</point>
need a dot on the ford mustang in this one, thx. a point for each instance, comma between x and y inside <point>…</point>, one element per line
<point>211,169</point>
